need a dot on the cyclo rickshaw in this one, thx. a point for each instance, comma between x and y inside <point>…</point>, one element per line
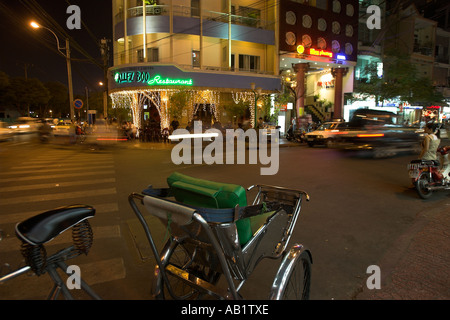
<point>214,233</point>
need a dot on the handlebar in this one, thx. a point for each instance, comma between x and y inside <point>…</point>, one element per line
<point>260,186</point>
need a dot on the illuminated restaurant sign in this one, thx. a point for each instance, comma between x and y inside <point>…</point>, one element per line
<point>320,53</point>
<point>151,80</point>
<point>315,52</point>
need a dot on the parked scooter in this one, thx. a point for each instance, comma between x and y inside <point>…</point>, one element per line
<point>431,175</point>
<point>295,135</point>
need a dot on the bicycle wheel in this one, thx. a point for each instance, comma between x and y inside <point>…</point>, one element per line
<point>186,257</point>
<point>293,280</point>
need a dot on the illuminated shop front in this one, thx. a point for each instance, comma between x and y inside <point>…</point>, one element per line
<point>217,52</point>
<point>318,53</point>
<point>136,87</point>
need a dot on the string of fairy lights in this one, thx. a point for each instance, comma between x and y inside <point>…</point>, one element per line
<point>160,98</point>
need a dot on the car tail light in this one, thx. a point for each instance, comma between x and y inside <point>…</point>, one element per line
<point>370,135</point>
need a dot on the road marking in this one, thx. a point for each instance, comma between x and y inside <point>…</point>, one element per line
<point>82,167</point>
<point>27,287</point>
<point>58,165</point>
<point>103,271</point>
<point>58,196</point>
<point>56,185</point>
<point>101,208</point>
<point>68,175</point>
<point>13,243</point>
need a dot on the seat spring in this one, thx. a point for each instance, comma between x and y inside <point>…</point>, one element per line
<point>82,237</point>
<point>35,256</point>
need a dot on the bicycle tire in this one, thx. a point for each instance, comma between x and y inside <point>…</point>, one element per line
<point>177,254</point>
<point>293,280</point>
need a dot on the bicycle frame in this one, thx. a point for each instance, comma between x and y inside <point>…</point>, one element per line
<point>269,241</point>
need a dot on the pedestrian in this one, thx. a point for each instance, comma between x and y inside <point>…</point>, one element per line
<point>260,123</point>
<point>430,143</point>
<point>174,124</point>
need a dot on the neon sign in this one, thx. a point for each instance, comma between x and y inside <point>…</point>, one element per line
<point>145,77</point>
<point>320,53</point>
<point>341,57</point>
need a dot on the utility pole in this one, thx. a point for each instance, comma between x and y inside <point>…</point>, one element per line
<point>104,49</point>
<point>69,76</point>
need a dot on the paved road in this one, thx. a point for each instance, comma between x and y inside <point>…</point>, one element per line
<point>359,210</point>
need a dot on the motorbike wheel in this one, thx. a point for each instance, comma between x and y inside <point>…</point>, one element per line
<point>422,185</point>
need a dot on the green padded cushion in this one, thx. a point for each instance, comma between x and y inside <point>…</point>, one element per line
<point>210,194</point>
<point>205,193</point>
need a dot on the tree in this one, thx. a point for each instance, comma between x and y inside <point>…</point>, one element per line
<point>4,84</point>
<point>27,94</point>
<point>237,110</point>
<point>58,98</point>
<point>178,101</point>
<point>400,80</point>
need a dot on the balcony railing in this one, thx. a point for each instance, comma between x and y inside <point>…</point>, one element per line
<point>186,11</point>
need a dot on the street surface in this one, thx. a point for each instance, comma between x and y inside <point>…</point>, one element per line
<point>359,207</point>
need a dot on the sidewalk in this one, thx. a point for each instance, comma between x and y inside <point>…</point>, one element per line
<point>162,146</point>
<point>417,267</point>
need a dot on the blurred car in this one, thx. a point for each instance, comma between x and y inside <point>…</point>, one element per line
<point>326,134</point>
<point>62,128</point>
<point>5,132</point>
<point>25,125</point>
<point>377,134</point>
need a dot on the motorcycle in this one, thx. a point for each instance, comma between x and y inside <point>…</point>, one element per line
<point>44,133</point>
<point>295,135</point>
<point>431,175</point>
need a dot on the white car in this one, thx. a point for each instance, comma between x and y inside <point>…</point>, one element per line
<point>5,132</point>
<point>25,125</point>
<point>62,128</point>
<point>326,134</point>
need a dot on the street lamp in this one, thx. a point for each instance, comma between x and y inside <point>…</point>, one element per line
<point>36,25</point>
<point>257,94</point>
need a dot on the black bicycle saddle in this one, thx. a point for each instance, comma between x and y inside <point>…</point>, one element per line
<point>47,225</point>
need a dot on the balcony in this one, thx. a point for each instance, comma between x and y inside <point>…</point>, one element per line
<point>249,20</point>
<point>425,49</point>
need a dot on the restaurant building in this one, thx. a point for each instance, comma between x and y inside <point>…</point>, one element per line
<point>318,52</point>
<point>217,53</point>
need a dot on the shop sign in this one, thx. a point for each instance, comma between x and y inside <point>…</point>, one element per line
<point>326,84</point>
<point>320,53</point>
<point>145,77</point>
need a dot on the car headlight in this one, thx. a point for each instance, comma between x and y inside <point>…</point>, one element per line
<point>24,126</point>
<point>12,127</point>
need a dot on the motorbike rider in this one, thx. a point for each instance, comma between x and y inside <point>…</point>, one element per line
<point>44,131</point>
<point>430,143</point>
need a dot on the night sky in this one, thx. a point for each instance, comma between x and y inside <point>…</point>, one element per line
<point>23,47</point>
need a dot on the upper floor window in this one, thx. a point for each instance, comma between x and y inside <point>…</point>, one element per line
<point>152,55</point>
<point>249,63</point>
